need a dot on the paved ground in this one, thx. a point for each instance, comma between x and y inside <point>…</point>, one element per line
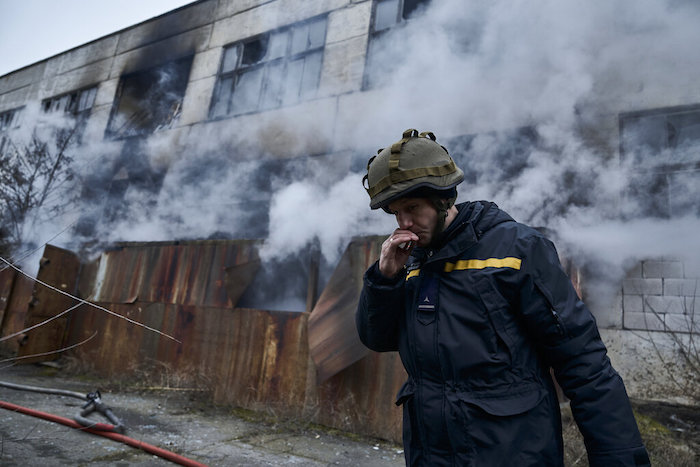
<point>170,420</point>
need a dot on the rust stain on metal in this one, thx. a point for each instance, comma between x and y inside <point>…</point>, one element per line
<point>7,279</point>
<point>59,268</point>
<point>251,357</point>
<point>361,397</point>
<point>16,313</point>
<point>333,341</point>
<point>238,277</point>
<point>183,272</point>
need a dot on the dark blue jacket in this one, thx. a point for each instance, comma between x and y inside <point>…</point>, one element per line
<point>478,323</point>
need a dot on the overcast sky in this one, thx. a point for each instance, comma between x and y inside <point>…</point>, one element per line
<point>32,30</point>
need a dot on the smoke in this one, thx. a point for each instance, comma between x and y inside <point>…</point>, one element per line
<point>525,96</point>
<point>563,71</point>
<point>333,215</point>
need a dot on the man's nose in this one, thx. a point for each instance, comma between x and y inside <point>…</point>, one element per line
<point>404,221</point>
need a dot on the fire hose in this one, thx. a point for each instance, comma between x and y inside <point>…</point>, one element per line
<point>94,403</point>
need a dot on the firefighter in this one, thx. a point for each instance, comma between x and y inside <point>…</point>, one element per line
<point>479,309</point>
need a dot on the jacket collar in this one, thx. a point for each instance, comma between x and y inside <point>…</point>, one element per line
<point>472,220</point>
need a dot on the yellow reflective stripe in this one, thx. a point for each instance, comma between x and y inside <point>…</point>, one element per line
<point>413,273</point>
<point>510,262</point>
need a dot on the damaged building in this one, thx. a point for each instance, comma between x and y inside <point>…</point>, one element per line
<point>189,132</point>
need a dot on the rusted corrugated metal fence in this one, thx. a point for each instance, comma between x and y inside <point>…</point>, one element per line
<point>303,364</point>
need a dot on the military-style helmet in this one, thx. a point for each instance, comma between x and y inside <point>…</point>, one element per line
<point>415,162</point>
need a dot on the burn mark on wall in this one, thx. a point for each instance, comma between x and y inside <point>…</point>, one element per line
<point>149,100</point>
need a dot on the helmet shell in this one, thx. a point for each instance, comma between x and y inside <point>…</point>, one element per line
<point>416,161</point>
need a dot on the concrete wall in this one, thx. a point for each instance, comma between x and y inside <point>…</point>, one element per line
<point>658,296</point>
<point>202,29</point>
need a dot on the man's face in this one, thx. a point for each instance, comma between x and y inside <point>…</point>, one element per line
<point>417,215</point>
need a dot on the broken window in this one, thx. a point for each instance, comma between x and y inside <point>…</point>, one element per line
<point>663,148</point>
<point>276,69</point>
<point>77,104</point>
<point>387,14</point>
<point>9,119</point>
<point>74,103</point>
<point>149,100</point>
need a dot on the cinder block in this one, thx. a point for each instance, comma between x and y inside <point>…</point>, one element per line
<point>642,286</point>
<point>643,321</point>
<point>682,323</point>
<point>663,268</point>
<point>682,287</point>
<point>633,303</point>
<point>692,306</point>
<point>664,304</point>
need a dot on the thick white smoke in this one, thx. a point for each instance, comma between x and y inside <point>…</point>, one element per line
<point>563,67</point>
<point>303,211</point>
<point>567,69</point>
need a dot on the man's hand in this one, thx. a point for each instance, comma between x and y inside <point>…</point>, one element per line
<point>395,252</point>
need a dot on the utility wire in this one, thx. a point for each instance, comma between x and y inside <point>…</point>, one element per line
<point>43,354</point>
<point>4,338</point>
<point>87,302</point>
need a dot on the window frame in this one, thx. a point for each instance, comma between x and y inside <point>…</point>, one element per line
<point>402,18</point>
<point>10,119</point>
<point>51,104</point>
<point>146,81</point>
<point>270,92</point>
<point>653,169</point>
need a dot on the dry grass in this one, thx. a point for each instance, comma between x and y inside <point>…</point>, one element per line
<point>667,445</point>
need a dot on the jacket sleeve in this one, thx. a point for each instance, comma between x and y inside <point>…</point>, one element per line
<point>379,310</point>
<point>567,336</point>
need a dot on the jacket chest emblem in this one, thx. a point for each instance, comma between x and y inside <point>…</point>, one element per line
<point>428,294</point>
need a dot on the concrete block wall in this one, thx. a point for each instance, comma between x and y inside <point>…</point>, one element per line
<point>657,296</point>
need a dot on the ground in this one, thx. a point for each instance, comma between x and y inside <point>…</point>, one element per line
<point>185,423</point>
<point>174,420</point>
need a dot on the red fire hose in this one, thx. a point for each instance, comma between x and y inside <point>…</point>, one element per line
<point>103,429</point>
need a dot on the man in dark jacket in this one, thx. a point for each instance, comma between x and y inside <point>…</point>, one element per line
<point>479,308</point>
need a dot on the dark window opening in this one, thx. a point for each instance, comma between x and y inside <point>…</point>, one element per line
<point>279,68</point>
<point>9,119</point>
<point>149,100</point>
<point>662,147</point>
<point>387,15</point>
<point>74,103</point>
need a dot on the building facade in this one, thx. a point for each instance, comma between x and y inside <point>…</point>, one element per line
<point>235,99</point>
